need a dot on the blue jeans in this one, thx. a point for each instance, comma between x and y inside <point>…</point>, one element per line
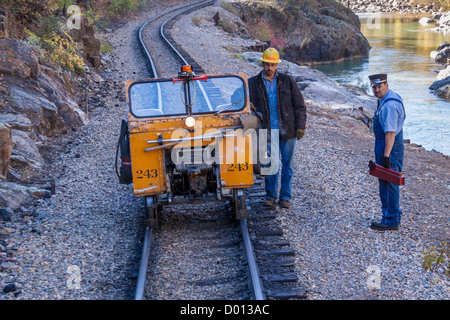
<point>287,149</point>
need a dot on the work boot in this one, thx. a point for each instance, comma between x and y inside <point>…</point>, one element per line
<point>285,203</point>
<point>269,202</point>
<point>382,227</point>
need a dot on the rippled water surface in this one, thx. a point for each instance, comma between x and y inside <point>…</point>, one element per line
<point>401,48</point>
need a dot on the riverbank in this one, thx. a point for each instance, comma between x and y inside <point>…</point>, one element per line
<point>396,41</point>
<point>402,7</point>
<point>432,14</point>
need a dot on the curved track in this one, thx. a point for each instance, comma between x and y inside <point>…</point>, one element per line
<point>165,61</point>
<point>166,57</point>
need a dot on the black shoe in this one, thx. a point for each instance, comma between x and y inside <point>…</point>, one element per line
<point>382,227</point>
<point>285,203</point>
<point>269,202</point>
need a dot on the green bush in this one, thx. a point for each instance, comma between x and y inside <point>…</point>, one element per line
<point>119,6</point>
<point>437,258</point>
<point>58,48</point>
<point>29,10</point>
<point>49,33</point>
<point>261,30</point>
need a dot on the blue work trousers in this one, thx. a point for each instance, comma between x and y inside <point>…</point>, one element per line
<point>286,150</point>
<point>389,192</point>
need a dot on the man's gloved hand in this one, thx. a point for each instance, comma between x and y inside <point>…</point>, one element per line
<point>386,162</point>
<point>300,133</point>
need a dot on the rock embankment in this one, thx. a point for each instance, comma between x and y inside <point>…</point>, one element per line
<point>306,33</point>
<point>38,104</point>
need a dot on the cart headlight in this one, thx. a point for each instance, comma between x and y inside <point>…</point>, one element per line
<point>190,122</point>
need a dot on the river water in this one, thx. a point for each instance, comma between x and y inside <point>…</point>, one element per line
<point>401,48</point>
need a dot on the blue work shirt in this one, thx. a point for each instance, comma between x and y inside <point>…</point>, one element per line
<point>392,113</point>
<point>271,88</point>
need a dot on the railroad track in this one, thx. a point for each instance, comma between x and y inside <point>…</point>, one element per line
<point>166,56</point>
<point>263,253</point>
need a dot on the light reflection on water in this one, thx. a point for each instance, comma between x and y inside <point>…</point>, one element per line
<point>401,48</point>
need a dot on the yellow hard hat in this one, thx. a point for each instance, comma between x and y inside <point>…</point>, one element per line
<point>271,55</point>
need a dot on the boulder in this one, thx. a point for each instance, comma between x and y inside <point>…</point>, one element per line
<point>444,73</point>
<point>442,54</point>
<point>26,158</point>
<point>441,88</point>
<point>42,112</point>
<point>439,83</point>
<point>327,39</point>
<point>19,59</point>
<point>37,92</point>
<point>13,195</point>
<point>17,121</point>
<point>91,45</point>
<point>323,32</point>
<point>444,92</point>
<point>402,7</point>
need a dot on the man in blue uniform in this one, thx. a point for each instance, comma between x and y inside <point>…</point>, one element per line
<point>278,100</point>
<point>388,123</point>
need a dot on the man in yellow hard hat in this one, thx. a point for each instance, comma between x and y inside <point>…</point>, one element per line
<point>277,98</point>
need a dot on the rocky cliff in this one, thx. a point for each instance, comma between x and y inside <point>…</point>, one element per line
<point>39,102</point>
<point>43,97</point>
<point>310,31</point>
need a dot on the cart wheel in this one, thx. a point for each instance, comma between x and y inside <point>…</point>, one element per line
<point>152,211</point>
<point>240,205</point>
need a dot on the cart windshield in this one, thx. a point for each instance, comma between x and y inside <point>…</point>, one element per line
<point>165,97</point>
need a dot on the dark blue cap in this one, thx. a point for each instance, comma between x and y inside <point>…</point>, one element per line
<point>377,79</point>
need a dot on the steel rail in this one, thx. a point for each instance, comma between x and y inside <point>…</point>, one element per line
<point>140,287</point>
<point>147,53</point>
<point>197,5</point>
<point>252,265</point>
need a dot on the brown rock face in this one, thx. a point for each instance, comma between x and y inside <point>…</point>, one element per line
<point>37,102</point>
<point>18,60</point>
<point>36,91</point>
<point>91,45</point>
<point>311,32</point>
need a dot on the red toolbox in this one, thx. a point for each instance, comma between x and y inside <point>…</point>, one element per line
<point>389,175</point>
